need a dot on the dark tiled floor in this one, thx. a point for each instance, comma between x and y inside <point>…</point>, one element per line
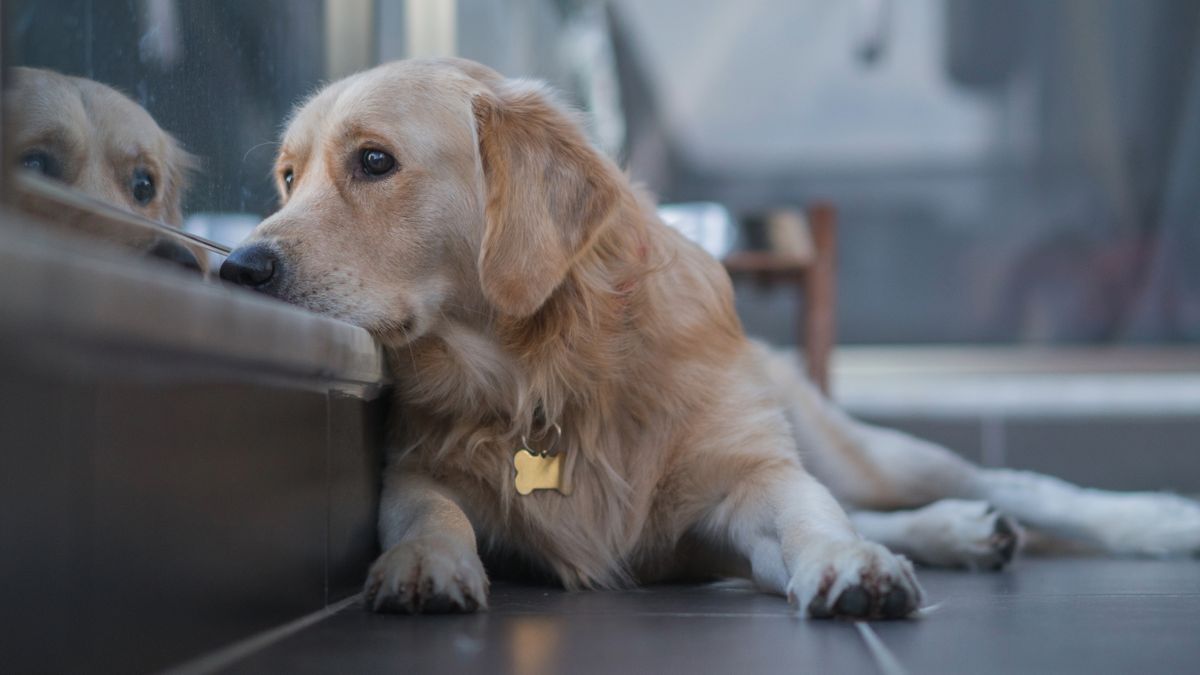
<point>1061,615</point>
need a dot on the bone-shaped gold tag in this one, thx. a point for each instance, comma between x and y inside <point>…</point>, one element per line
<point>539,472</point>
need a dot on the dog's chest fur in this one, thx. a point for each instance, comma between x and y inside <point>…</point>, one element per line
<point>640,393</point>
<point>456,415</point>
<point>592,537</point>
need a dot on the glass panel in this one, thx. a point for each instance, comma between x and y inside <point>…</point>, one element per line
<point>1004,171</point>
<point>167,109</point>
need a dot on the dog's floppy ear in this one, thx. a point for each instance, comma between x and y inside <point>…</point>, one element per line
<point>548,194</point>
<point>179,164</point>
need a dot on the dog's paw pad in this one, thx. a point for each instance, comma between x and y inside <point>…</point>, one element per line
<point>854,601</point>
<point>897,604</point>
<point>858,580</point>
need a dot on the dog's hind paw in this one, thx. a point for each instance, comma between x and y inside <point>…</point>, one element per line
<point>427,575</point>
<point>854,579</point>
<point>960,533</point>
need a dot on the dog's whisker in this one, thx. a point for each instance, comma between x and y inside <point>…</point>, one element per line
<point>255,147</point>
<point>399,325</point>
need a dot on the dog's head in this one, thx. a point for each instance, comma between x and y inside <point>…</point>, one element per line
<point>426,189</point>
<point>99,142</point>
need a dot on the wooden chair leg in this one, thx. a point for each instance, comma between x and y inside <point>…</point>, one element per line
<point>819,329</point>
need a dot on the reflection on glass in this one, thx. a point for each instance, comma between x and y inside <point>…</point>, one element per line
<point>220,75</point>
<point>92,138</point>
<point>1005,172</point>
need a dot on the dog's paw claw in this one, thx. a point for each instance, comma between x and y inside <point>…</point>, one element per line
<point>1004,541</point>
<point>430,576</point>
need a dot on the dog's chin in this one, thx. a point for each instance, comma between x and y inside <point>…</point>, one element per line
<point>394,326</point>
<point>396,330</point>
<point>320,302</point>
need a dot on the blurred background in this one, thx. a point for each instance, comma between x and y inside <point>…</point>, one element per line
<point>1015,188</point>
<point>1016,184</point>
<point>1015,172</point>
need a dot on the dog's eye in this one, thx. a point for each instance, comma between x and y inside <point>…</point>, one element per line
<point>142,187</point>
<point>288,178</point>
<point>42,162</point>
<point>377,162</point>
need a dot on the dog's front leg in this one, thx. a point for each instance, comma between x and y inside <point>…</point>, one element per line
<point>429,561</point>
<point>800,544</point>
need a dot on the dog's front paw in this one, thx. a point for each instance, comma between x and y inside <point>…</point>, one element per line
<point>854,579</point>
<point>432,575</point>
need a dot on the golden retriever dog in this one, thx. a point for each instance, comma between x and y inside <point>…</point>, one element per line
<point>96,140</point>
<point>574,390</point>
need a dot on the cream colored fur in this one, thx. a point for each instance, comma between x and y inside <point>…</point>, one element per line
<point>519,282</point>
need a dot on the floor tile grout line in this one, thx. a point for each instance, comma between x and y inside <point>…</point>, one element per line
<point>668,615</point>
<point>230,654</point>
<point>328,491</point>
<point>884,658</point>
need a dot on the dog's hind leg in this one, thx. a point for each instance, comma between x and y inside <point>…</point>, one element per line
<point>1125,523</point>
<point>874,468</point>
<point>866,467</point>
<point>898,471</point>
<point>869,467</point>
<point>947,533</point>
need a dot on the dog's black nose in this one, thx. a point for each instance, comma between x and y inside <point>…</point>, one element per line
<point>174,252</point>
<point>253,266</point>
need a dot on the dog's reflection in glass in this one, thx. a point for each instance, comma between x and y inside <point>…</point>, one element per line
<point>99,142</point>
